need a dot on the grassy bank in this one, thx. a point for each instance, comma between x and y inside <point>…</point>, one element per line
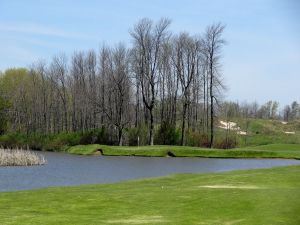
<point>263,132</point>
<point>289,151</point>
<point>265,196</point>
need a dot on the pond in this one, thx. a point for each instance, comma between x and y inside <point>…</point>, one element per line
<point>66,169</point>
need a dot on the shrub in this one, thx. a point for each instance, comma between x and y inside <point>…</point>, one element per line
<point>5,140</point>
<point>197,139</point>
<point>88,138</point>
<point>167,134</point>
<point>137,132</point>
<point>96,136</point>
<point>35,141</point>
<point>67,138</point>
<point>103,136</point>
<point>225,143</point>
<point>57,142</point>
<point>13,140</point>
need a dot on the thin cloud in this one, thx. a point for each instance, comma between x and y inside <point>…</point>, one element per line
<point>36,41</point>
<point>39,29</point>
<point>16,56</point>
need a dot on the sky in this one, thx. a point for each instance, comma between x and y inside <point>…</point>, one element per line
<point>260,61</point>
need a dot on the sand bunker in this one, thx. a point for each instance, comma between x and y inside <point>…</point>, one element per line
<point>289,132</point>
<point>138,220</point>
<point>222,186</point>
<point>221,221</point>
<point>231,126</point>
<point>283,122</point>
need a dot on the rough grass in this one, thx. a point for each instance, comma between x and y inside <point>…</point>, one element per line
<point>288,151</point>
<point>249,197</point>
<point>277,147</point>
<point>20,157</point>
<point>263,132</point>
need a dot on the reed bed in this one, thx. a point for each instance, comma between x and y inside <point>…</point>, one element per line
<point>20,157</point>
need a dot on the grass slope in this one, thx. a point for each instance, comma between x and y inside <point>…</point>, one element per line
<point>264,196</point>
<point>264,151</point>
<point>263,132</point>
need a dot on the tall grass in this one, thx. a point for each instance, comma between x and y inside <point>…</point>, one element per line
<point>20,157</point>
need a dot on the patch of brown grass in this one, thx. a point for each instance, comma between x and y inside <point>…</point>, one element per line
<point>20,157</point>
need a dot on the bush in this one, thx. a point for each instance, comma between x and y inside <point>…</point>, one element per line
<point>57,142</point>
<point>88,138</point>
<point>197,139</point>
<point>54,142</point>
<point>5,141</point>
<point>68,138</point>
<point>35,141</point>
<point>96,136</point>
<point>104,136</point>
<point>225,143</point>
<point>13,140</point>
<point>167,134</point>
<point>137,132</point>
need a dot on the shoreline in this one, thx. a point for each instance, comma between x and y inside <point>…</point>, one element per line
<point>257,152</point>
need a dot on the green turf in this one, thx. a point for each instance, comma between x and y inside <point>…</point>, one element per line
<point>263,132</point>
<point>264,151</point>
<point>253,197</point>
<point>277,147</point>
<point>84,149</point>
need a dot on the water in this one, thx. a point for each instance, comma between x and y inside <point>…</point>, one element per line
<point>65,169</point>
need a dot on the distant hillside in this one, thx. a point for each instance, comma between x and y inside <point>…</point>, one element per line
<point>262,131</point>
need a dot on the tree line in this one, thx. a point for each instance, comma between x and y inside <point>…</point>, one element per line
<point>269,110</point>
<point>164,85</point>
<point>163,79</point>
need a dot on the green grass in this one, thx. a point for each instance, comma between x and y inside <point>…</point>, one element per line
<point>263,132</point>
<point>291,151</point>
<point>253,197</point>
<point>277,147</point>
<point>265,139</point>
<point>84,149</point>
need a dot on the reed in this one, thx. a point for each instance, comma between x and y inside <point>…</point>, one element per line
<point>20,157</point>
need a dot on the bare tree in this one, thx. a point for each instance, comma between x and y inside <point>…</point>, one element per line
<point>295,109</point>
<point>213,43</point>
<point>120,89</point>
<point>58,76</point>
<point>148,39</point>
<point>41,92</point>
<point>91,70</point>
<point>185,59</point>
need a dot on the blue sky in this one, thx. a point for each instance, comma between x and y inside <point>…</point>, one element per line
<point>261,60</point>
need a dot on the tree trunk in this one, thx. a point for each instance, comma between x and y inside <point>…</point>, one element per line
<point>120,137</point>
<point>211,110</point>
<point>151,140</point>
<point>183,124</point>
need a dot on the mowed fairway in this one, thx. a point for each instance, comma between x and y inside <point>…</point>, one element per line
<point>264,196</point>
